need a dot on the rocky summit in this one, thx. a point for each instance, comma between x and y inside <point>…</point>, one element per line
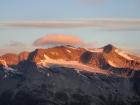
<point>67,75</point>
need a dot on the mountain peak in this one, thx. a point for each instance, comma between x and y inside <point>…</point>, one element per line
<point>37,55</point>
<point>108,48</point>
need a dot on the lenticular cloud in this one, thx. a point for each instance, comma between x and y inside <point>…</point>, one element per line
<point>54,39</point>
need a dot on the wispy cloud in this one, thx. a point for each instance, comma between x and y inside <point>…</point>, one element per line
<point>107,24</point>
<point>15,44</point>
<point>15,47</point>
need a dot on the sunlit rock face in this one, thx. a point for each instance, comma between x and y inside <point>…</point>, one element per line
<point>10,59</point>
<point>106,57</point>
<point>59,52</point>
<point>66,75</point>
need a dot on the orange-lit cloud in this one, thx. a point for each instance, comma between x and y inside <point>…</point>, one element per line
<point>105,24</point>
<point>54,39</point>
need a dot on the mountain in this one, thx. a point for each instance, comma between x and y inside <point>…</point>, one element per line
<point>120,59</point>
<point>107,60</point>
<point>108,55</point>
<point>67,75</point>
<point>60,52</point>
<point>11,59</point>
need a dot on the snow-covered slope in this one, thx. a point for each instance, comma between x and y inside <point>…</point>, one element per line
<point>5,66</point>
<point>120,59</point>
<point>123,54</point>
<point>112,63</point>
<point>47,61</point>
<point>3,62</point>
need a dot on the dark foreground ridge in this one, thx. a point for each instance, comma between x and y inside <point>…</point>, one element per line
<point>66,86</point>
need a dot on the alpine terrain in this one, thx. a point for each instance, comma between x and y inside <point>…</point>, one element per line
<point>67,75</point>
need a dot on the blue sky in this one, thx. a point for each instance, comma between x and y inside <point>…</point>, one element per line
<point>71,10</point>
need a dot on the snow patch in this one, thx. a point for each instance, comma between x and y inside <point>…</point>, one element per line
<point>95,50</point>
<point>3,62</point>
<point>54,53</point>
<point>112,63</point>
<point>68,51</point>
<point>9,69</point>
<point>123,54</point>
<point>6,66</point>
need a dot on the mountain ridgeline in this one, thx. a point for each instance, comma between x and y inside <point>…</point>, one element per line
<point>67,75</point>
<point>107,58</point>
